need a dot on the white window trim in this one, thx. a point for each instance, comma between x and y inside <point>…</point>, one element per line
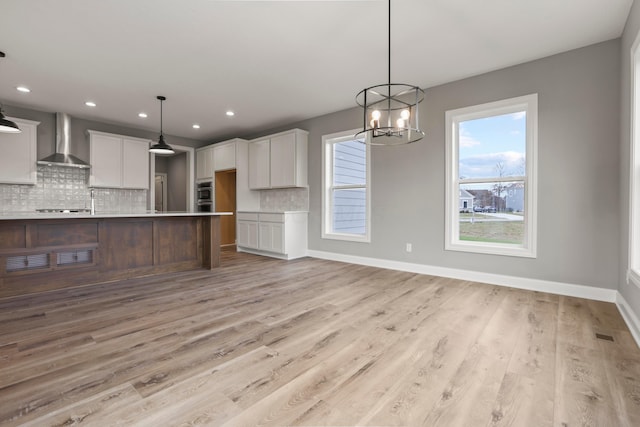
<point>633,267</point>
<point>452,215</point>
<point>327,164</point>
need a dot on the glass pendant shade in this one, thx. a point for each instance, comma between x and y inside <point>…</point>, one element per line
<point>7,126</point>
<point>390,114</point>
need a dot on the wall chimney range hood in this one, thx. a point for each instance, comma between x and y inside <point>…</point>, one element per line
<point>62,155</point>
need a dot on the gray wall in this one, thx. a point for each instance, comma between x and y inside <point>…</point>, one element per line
<point>162,164</point>
<point>579,206</point>
<point>177,182</point>
<point>79,127</point>
<point>628,291</point>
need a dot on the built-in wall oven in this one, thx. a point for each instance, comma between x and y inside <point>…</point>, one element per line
<point>204,197</point>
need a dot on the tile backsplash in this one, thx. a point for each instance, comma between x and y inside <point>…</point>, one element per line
<point>67,188</point>
<point>284,199</point>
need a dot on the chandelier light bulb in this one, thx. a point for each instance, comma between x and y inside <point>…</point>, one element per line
<point>400,123</point>
<point>405,114</point>
<point>375,115</point>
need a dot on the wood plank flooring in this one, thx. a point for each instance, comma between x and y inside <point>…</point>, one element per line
<point>265,342</point>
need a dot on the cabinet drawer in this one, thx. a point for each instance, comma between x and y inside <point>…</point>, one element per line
<point>247,216</point>
<point>271,217</point>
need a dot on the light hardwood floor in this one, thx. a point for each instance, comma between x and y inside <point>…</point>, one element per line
<point>310,342</point>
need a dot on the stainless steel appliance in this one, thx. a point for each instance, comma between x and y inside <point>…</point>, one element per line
<point>205,197</point>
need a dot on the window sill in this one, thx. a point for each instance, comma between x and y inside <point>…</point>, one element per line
<point>491,249</point>
<point>347,237</point>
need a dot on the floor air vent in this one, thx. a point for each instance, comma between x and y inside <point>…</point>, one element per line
<point>604,337</point>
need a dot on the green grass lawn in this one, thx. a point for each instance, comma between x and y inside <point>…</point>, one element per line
<point>493,232</point>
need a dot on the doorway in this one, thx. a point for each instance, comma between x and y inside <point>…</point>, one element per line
<point>161,192</point>
<point>180,182</point>
<point>225,192</point>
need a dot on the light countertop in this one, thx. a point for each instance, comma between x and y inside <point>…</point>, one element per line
<point>272,212</point>
<point>75,215</point>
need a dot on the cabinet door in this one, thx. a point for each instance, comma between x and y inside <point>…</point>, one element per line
<point>18,160</point>
<point>264,239</point>
<point>277,238</point>
<point>283,161</point>
<point>204,163</point>
<point>106,161</point>
<point>259,168</point>
<point>135,164</point>
<point>224,157</point>
<point>248,234</point>
<point>271,237</point>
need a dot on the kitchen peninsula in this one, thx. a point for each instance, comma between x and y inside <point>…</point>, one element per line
<point>40,252</point>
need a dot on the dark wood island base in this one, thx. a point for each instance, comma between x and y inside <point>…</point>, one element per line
<point>43,254</point>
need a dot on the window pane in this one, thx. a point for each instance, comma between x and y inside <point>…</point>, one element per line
<point>492,146</point>
<point>349,163</point>
<point>497,215</point>
<point>349,211</point>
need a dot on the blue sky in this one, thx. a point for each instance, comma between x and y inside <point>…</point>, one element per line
<point>488,141</point>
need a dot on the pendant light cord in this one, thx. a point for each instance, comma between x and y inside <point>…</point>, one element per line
<point>161,116</point>
<point>389,45</point>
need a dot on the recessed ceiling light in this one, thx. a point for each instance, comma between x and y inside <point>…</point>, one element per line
<point>23,89</point>
<point>142,115</point>
<point>90,104</point>
<point>230,113</point>
<point>196,126</point>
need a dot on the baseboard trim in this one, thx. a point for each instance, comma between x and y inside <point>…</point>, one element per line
<point>566,289</point>
<point>632,321</point>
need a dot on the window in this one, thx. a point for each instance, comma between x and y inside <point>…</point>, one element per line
<point>491,185</point>
<point>345,182</point>
<point>633,272</point>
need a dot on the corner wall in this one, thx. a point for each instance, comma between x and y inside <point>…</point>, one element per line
<point>630,294</point>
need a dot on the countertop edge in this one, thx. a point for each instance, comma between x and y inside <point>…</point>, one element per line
<point>31,216</point>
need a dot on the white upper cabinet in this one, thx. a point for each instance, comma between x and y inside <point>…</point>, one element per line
<point>19,151</point>
<point>204,164</point>
<point>118,161</point>
<point>135,163</point>
<point>279,161</point>
<point>224,156</point>
<point>259,164</point>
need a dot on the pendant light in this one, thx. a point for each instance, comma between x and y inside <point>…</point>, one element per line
<point>161,147</point>
<point>6,125</point>
<point>390,111</point>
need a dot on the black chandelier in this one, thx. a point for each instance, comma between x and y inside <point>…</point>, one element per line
<point>390,111</point>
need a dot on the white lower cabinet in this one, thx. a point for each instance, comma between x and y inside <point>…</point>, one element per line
<point>247,230</point>
<point>277,234</point>
<point>271,237</point>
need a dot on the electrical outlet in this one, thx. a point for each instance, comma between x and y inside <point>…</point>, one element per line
<point>409,247</point>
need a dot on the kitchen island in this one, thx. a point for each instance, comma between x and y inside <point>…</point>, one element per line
<point>41,252</point>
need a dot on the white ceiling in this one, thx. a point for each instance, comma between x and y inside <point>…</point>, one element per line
<point>272,62</point>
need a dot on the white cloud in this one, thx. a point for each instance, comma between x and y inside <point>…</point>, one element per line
<point>467,141</point>
<point>484,165</point>
<point>519,115</point>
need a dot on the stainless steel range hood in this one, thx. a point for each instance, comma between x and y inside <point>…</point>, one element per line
<point>63,156</point>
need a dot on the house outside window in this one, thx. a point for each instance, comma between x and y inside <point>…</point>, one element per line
<point>491,161</point>
<point>346,174</point>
